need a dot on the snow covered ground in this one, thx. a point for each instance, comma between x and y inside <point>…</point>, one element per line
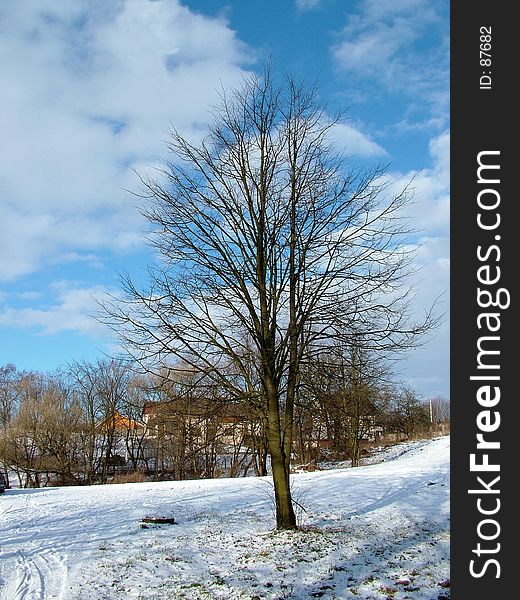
<point>375,532</point>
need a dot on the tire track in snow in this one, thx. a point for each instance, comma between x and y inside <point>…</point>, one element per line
<point>30,582</point>
<point>39,576</point>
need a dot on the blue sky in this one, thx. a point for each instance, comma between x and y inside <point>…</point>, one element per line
<point>88,92</point>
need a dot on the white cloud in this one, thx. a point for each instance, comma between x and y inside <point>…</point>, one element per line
<point>430,212</point>
<point>29,240</point>
<point>426,368</point>
<point>403,47</point>
<point>70,310</point>
<point>90,90</point>
<point>430,205</point>
<point>304,5</point>
<point>32,295</point>
<point>374,37</point>
<point>440,152</point>
<point>352,141</point>
<point>374,48</point>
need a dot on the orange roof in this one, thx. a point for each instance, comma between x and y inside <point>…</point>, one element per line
<point>118,421</point>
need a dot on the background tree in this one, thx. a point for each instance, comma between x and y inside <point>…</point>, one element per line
<point>439,409</point>
<point>42,443</point>
<point>341,393</point>
<point>19,446</point>
<point>83,378</point>
<point>9,393</point>
<point>405,413</point>
<point>132,407</point>
<point>265,233</point>
<point>10,381</point>
<point>357,395</point>
<point>105,392</point>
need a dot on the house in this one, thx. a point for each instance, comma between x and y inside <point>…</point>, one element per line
<point>119,440</point>
<point>118,422</point>
<point>200,419</point>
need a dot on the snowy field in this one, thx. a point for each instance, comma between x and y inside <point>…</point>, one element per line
<point>375,532</point>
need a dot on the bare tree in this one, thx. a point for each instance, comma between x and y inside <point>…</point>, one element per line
<point>358,395</point>
<point>104,390</point>
<point>9,393</point>
<point>19,445</point>
<point>340,395</point>
<point>265,233</point>
<point>439,410</point>
<point>112,385</point>
<point>406,414</point>
<point>42,442</point>
<point>133,404</point>
<point>83,378</point>
<point>10,380</point>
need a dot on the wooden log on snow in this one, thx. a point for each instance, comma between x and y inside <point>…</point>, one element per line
<point>159,520</point>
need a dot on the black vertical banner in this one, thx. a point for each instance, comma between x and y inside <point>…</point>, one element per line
<point>484,251</point>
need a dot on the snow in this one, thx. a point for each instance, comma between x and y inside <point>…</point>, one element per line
<point>379,531</point>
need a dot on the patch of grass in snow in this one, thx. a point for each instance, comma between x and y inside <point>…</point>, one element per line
<point>204,516</point>
<point>389,591</point>
<point>173,559</point>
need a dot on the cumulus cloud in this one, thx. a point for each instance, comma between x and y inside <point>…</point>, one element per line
<point>431,206</point>
<point>354,142</point>
<point>430,213</point>
<point>89,91</point>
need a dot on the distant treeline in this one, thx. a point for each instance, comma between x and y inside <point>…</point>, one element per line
<point>95,422</point>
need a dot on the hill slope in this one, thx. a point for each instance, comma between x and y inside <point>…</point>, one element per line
<point>379,532</point>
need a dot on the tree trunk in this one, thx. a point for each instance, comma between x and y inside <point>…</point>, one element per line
<point>354,450</point>
<point>285,517</point>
